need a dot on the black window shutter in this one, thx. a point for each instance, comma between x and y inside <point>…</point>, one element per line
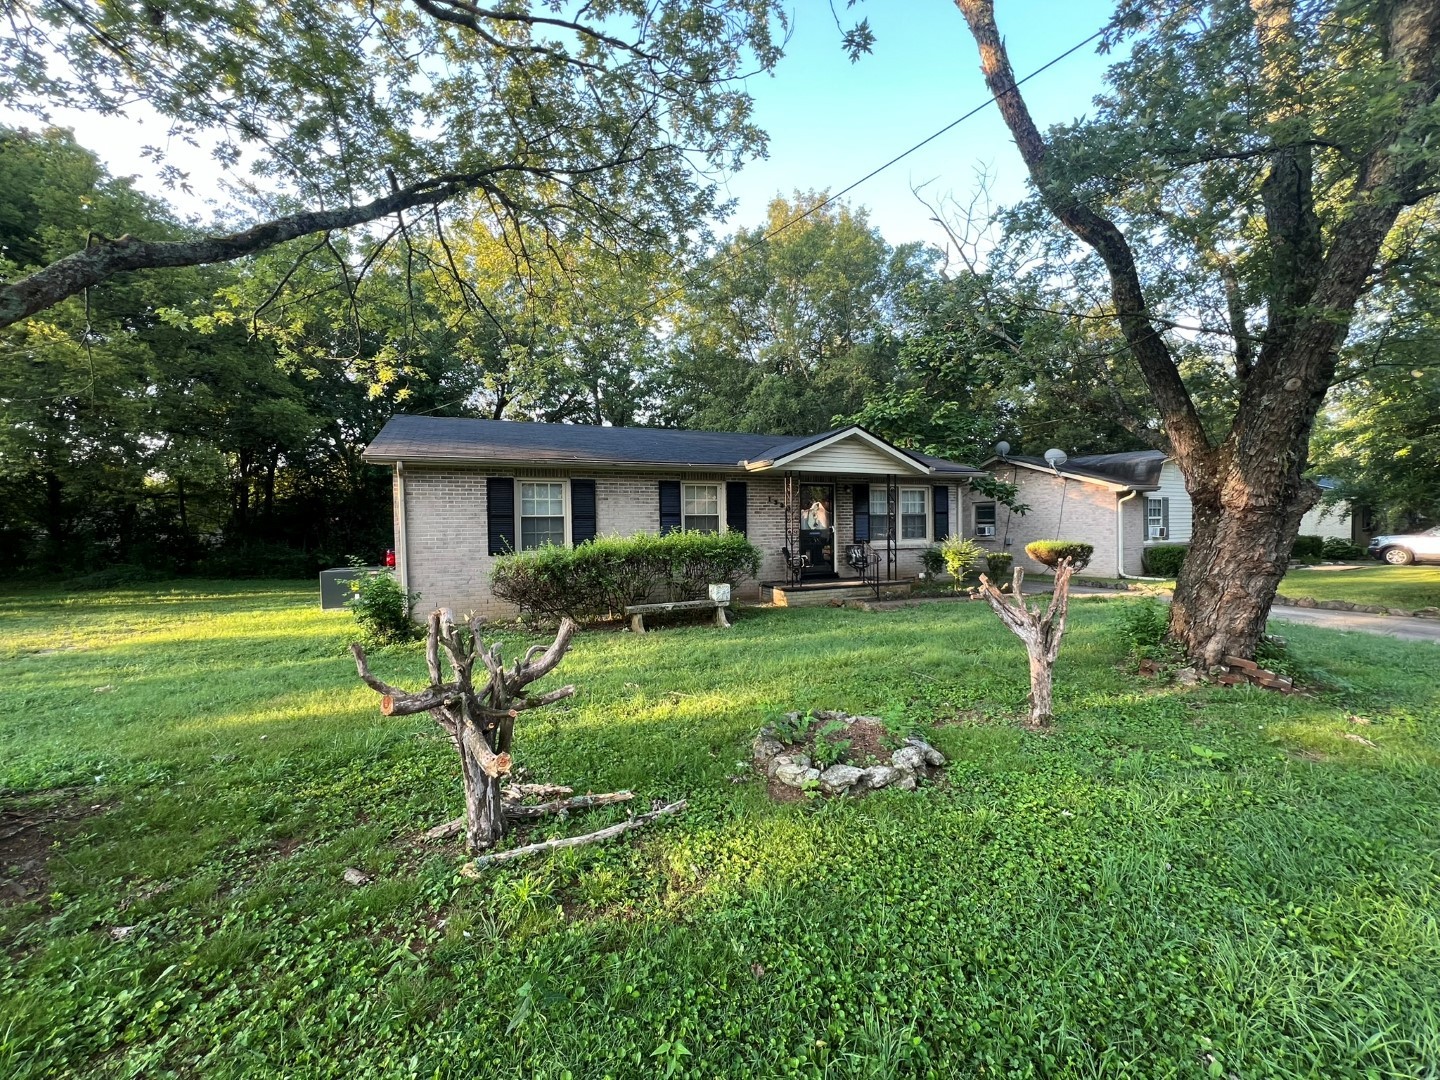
<point>862,513</point>
<point>736,506</point>
<point>942,512</point>
<point>500,514</point>
<point>669,506</point>
<point>1165,516</point>
<point>582,511</point>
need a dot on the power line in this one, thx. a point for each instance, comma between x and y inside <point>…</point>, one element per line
<point>893,161</point>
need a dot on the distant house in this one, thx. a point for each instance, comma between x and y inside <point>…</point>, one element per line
<point>468,491</point>
<point>1122,503</point>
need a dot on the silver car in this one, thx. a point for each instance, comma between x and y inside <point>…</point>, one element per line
<point>1407,548</point>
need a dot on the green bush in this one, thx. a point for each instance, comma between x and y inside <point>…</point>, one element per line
<point>1340,550</point>
<point>961,555</point>
<point>1308,547</point>
<point>382,608</point>
<point>932,561</point>
<point>1051,552</point>
<point>1165,560</point>
<point>605,575</point>
<point>998,564</point>
<point>1141,626</point>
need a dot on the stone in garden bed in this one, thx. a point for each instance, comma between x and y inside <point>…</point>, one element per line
<point>869,766</point>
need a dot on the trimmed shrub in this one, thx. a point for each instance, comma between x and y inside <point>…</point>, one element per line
<point>382,608</point>
<point>1164,560</point>
<point>998,564</point>
<point>961,555</point>
<point>1308,547</point>
<point>1051,552</point>
<point>932,560</point>
<point>605,575</point>
<point>1341,550</point>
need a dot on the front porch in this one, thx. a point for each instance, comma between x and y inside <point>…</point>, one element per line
<point>833,591</point>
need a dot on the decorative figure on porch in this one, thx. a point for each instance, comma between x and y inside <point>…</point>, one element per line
<point>817,516</point>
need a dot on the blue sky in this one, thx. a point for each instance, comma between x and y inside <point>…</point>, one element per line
<point>830,121</point>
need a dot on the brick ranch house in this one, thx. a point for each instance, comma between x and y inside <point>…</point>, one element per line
<point>1122,503</point>
<point>467,491</point>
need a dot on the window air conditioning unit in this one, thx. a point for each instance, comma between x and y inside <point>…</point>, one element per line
<point>984,530</point>
<point>1157,533</point>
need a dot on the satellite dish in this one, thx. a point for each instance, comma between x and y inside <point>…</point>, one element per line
<point>1056,457</point>
<point>1002,448</point>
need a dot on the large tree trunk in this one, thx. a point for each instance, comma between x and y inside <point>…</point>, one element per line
<point>1239,550</point>
<point>1247,490</point>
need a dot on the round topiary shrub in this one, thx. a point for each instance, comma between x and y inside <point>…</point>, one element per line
<point>1051,552</point>
<point>998,564</point>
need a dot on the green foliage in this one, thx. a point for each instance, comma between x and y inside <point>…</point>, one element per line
<point>932,560</point>
<point>1308,547</point>
<point>1141,627</point>
<point>961,555</point>
<point>605,575</point>
<point>1003,492</point>
<point>998,565</point>
<point>1164,560</point>
<point>1338,549</point>
<point>1114,880</point>
<point>829,747</point>
<point>381,608</point>
<point>1051,552</point>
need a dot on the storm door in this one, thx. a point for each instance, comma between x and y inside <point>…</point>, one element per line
<point>817,530</point>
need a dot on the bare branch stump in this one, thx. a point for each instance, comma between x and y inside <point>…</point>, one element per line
<point>1041,633</point>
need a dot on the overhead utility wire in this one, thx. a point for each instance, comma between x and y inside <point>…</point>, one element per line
<point>894,160</point>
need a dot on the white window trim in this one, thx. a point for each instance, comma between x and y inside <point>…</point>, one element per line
<point>520,515</point>
<point>720,504</point>
<point>1150,538</point>
<point>927,497</point>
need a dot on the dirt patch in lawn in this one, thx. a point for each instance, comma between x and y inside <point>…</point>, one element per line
<point>30,826</point>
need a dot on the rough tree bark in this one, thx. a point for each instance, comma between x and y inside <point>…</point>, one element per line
<point>1248,488</point>
<point>1041,633</point>
<point>481,722</point>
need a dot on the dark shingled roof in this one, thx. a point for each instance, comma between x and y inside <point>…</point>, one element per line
<point>448,439</point>
<point>1138,469</point>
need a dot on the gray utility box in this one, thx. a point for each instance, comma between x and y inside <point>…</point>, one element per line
<point>335,585</point>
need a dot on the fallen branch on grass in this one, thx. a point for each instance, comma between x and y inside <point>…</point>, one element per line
<point>595,837</point>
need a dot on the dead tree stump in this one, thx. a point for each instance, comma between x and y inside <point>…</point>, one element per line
<point>1040,633</point>
<point>481,721</point>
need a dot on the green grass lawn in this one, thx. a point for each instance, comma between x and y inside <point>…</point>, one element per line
<point>1389,586</point>
<point>1173,883</point>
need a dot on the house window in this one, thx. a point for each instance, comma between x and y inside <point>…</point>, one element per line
<point>702,508</point>
<point>913,516</point>
<point>1155,519</point>
<point>542,514</point>
<point>985,519</point>
<point>913,512</point>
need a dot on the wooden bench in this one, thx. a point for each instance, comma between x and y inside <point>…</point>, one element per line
<point>637,612</point>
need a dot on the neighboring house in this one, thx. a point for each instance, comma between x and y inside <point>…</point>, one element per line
<point>467,491</point>
<point>1121,503</point>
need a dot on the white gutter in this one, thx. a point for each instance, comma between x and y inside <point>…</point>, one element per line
<point>1120,534</point>
<point>402,553</point>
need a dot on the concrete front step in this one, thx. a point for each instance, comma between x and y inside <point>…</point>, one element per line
<point>827,594</point>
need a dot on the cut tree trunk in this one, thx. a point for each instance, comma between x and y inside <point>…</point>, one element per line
<point>1040,631</point>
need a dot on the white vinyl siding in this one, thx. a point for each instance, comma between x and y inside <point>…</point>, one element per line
<point>701,512</point>
<point>852,455</point>
<point>1172,487</point>
<point>542,514</point>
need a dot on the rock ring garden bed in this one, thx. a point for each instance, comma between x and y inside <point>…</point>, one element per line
<point>831,753</point>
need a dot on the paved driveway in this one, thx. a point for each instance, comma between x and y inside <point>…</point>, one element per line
<point>1396,626</point>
